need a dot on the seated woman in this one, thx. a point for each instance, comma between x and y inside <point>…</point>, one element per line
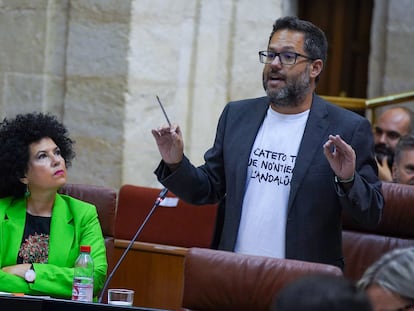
<point>41,231</point>
<point>389,282</point>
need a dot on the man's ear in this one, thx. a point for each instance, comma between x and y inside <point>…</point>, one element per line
<point>316,68</point>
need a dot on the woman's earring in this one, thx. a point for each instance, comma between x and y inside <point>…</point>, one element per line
<point>27,192</point>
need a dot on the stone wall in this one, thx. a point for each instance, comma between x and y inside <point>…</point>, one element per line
<point>70,58</point>
<point>196,56</point>
<point>99,64</point>
<point>392,46</point>
<point>32,56</point>
<point>95,88</point>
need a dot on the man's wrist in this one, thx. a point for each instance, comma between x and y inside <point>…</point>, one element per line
<point>344,181</point>
<point>173,166</point>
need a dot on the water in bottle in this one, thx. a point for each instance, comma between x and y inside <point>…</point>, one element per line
<point>82,289</point>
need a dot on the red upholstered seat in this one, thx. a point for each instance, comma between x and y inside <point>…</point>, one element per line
<point>184,225</point>
<point>364,245</point>
<point>227,281</point>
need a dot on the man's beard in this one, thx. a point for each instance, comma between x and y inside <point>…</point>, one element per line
<point>293,93</point>
<point>381,151</point>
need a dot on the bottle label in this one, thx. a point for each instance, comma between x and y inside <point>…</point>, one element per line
<point>82,289</point>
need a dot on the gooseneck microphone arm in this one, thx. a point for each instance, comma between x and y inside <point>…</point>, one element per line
<point>157,202</point>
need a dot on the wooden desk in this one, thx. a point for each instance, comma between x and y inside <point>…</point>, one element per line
<point>154,271</point>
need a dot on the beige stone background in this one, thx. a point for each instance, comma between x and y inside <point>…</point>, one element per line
<point>99,64</point>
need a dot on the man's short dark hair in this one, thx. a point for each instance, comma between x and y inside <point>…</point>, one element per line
<point>315,43</point>
<point>406,142</point>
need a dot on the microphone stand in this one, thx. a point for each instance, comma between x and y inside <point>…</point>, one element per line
<point>157,202</point>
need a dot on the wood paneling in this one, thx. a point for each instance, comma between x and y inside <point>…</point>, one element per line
<point>347,25</point>
<point>153,271</point>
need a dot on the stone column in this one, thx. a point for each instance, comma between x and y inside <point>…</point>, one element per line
<point>96,85</point>
<point>196,56</point>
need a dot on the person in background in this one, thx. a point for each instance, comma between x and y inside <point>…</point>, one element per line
<point>41,230</point>
<point>283,166</point>
<point>390,126</point>
<point>321,292</point>
<point>388,282</point>
<point>403,166</point>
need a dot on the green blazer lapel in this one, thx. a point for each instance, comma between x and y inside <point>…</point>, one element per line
<point>61,232</point>
<point>12,227</point>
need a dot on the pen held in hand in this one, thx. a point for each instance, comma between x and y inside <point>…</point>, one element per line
<point>163,111</point>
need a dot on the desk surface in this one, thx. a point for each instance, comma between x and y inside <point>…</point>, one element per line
<point>32,303</point>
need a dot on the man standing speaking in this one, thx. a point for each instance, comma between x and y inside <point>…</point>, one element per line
<point>283,166</point>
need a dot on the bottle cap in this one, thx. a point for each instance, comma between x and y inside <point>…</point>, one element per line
<point>85,248</point>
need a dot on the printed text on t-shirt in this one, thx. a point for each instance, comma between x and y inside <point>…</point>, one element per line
<point>272,167</point>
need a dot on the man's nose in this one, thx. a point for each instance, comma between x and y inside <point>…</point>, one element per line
<point>276,62</point>
<point>382,138</point>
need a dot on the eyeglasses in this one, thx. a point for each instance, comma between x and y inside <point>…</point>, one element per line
<point>286,58</point>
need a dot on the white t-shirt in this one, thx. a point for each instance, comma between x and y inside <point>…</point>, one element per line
<point>269,173</point>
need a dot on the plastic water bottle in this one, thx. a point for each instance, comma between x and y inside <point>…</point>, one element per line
<point>82,289</point>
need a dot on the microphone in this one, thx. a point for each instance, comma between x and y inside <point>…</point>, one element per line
<point>157,202</point>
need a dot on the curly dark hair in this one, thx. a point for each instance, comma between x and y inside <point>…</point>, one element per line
<point>16,135</point>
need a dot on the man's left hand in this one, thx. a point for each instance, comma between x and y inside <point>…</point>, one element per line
<point>341,157</point>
